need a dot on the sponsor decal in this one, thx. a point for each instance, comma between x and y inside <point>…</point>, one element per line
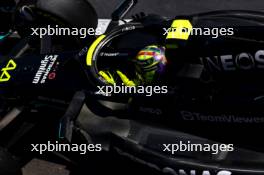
<point>194,172</point>
<point>113,54</point>
<point>241,61</point>
<point>46,70</point>
<point>5,76</point>
<point>128,28</point>
<point>155,111</point>
<point>224,118</point>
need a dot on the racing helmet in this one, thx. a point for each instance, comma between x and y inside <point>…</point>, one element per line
<point>150,61</point>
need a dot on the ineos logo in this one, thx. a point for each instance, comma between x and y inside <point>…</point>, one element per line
<point>168,170</point>
<point>242,61</point>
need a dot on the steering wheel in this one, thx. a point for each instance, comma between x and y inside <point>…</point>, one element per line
<point>117,50</point>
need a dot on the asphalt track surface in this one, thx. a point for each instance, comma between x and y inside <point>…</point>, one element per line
<point>170,8</point>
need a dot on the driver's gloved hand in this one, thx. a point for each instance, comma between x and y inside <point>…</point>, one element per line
<point>125,79</point>
<point>111,80</point>
<point>107,77</point>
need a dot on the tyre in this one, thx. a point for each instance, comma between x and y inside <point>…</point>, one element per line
<point>77,13</point>
<point>6,9</point>
<point>63,13</point>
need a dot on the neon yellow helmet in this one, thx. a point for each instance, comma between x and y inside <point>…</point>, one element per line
<point>150,61</point>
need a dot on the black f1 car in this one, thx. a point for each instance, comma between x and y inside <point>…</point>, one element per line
<point>214,79</point>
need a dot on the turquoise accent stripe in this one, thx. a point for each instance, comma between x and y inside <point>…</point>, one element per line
<point>60,127</point>
<point>4,36</point>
